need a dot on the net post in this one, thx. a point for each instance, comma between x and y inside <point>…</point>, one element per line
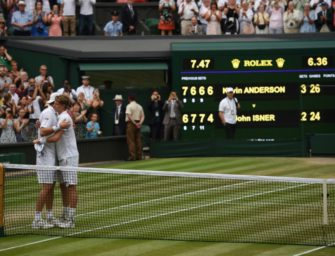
<point>325,203</point>
<point>2,188</point>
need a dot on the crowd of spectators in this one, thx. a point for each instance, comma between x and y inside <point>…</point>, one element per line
<point>187,17</point>
<point>23,98</point>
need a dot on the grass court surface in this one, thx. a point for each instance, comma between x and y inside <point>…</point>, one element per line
<point>135,222</point>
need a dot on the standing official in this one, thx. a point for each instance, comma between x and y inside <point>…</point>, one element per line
<point>134,119</point>
<point>228,113</point>
<point>119,116</point>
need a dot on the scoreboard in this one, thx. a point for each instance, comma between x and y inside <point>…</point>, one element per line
<point>286,89</point>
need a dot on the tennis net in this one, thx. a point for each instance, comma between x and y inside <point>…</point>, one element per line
<point>134,204</point>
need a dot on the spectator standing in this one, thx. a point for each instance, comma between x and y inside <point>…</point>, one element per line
<point>21,125</point>
<point>261,20</point>
<point>68,8</point>
<point>292,19</point>
<point>187,9</point>
<point>3,27</point>
<point>114,27</point>
<point>134,119</point>
<point>5,58</point>
<point>308,21</point>
<point>129,18</point>
<point>39,27</point>
<point>195,28</point>
<point>44,76</point>
<point>93,127</point>
<point>30,5</point>
<point>22,21</point>
<point>231,23</point>
<point>86,23</point>
<point>276,19</point>
<point>172,117</point>
<point>86,88</point>
<point>12,92</point>
<point>96,103</point>
<point>246,20</point>
<point>204,8</point>
<point>80,120</point>
<point>155,108</point>
<point>166,22</point>
<point>228,113</point>
<point>8,103</point>
<point>324,19</point>
<point>55,19</point>
<point>84,105</point>
<point>213,17</point>
<point>7,125</point>
<point>119,116</point>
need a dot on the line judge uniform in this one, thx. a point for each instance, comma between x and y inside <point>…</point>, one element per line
<point>134,116</point>
<point>229,109</point>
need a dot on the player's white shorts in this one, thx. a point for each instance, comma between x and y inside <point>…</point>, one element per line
<point>46,176</point>
<point>69,177</point>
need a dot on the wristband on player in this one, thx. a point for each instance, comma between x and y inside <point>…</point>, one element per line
<point>55,128</point>
<point>42,140</point>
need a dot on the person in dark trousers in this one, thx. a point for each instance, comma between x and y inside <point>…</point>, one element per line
<point>155,109</point>
<point>129,18</point>
<point>119,116</point>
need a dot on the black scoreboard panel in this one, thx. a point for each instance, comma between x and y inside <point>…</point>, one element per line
<point>285,91</point>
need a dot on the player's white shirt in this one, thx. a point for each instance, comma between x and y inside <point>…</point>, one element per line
<point>67,145</point>
<point>228,107</point>
<point>87,90</point>
<point>48,119</point>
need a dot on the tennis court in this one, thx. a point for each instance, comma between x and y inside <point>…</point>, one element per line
<point>193,208</point>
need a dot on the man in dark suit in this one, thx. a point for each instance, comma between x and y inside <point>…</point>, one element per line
<point>129,18</point>
<point>324,22</point>
<point>172,117</point>
<point>119,117</point>
<point>155,112</point>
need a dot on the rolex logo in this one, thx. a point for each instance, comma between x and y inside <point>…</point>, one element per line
<point>280,62</point>
<point>235,63</point>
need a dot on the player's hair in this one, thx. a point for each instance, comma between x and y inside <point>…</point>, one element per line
<point>63,100</point>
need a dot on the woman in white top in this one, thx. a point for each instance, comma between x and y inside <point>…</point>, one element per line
<point>213,17</point>
<point>276,18</point>
<point>261,20</point>
<point>245,19</point>
<point>292,19</point>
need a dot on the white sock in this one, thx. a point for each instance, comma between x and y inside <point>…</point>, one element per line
<point>38,215</point>
<point>66,212</point>
<point>49,214</point>
<point>72,213</point>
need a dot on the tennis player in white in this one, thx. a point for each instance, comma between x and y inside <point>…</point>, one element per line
<point>46,155</point>
<point>68,155</point>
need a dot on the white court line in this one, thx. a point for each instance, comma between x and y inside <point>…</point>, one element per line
<point>310,251</point>
<point>155,216</point>
<point>148,201</point>
<point>24,245</point>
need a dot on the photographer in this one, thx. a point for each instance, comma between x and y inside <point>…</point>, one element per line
<point>155,108</point>
<point>172,117</point>
<point>292,19</point>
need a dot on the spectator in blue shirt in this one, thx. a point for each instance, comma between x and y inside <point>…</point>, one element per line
<point>93,127</point>
<point>114,27</point>
<point>22,21</point>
